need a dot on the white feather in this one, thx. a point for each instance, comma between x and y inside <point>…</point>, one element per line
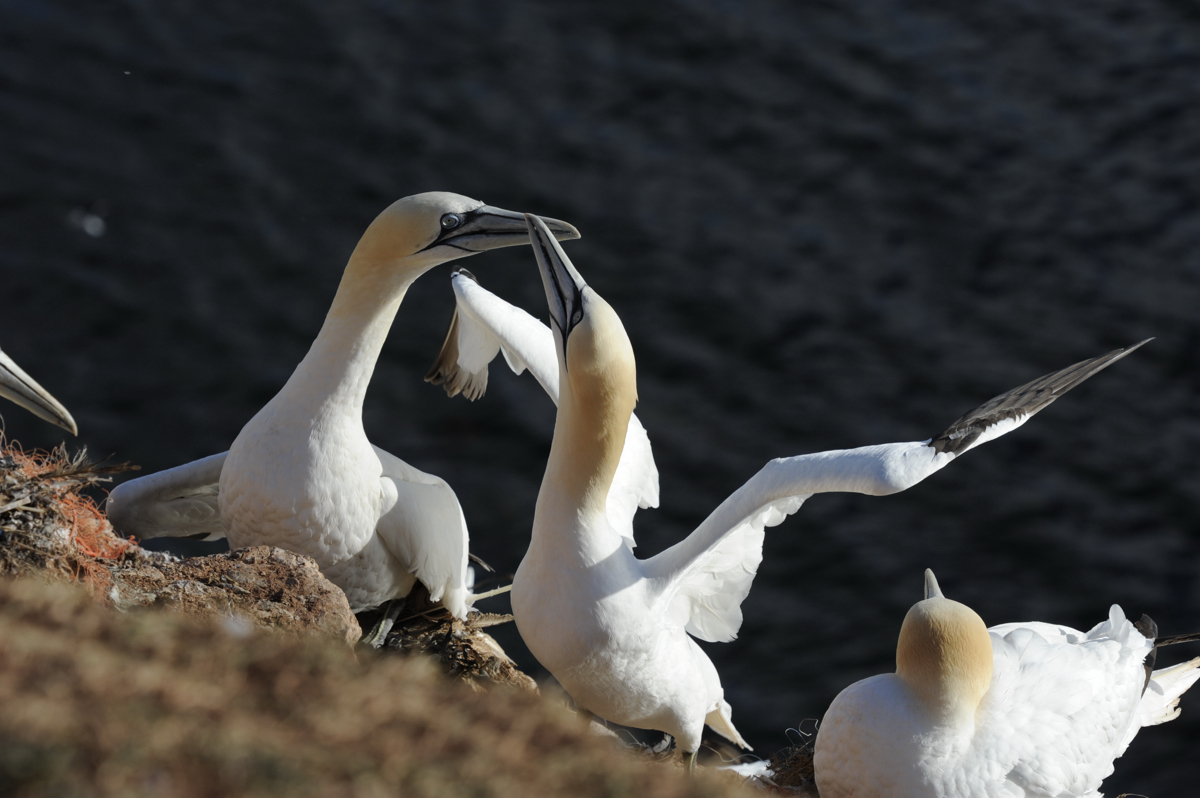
<point>1062,705</point>
<point>528,343</point>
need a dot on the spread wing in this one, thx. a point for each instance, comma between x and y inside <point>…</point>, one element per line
<point>180,502</point>
<point>484,325</point>
<point>705,576</point>
<point>426,531</point>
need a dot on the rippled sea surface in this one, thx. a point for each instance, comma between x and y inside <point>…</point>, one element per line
<point>825,225</point>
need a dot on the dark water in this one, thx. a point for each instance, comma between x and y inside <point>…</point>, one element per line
<point>824,225</point>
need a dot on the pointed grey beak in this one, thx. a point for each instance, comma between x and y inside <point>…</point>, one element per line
<point>932,590</point>
<point>488,227</point>
<point>564,285</point>
<point>18,386</point>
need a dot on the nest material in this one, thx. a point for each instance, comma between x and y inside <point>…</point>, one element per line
<point>47,524</point>
<point>792,769</point>
<point>461,647</point>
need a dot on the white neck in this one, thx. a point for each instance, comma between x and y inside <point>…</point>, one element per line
<point>333,377</point>
<point>594,406</point>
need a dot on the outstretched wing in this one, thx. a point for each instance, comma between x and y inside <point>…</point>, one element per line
<point>426,531</point>
<point>705,576</point>
<point>484,325</point>
<point>180,502</point>
<point>1012,409</point>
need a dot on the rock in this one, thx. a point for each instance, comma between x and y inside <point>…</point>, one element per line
<point>272,587</point>
<point>48,527</point>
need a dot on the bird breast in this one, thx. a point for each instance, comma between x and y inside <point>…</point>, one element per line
<point>320,494</point>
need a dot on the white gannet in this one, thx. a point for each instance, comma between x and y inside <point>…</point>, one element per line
<point>301,475</point>
<point>1021,709</point>
<point>19,387</point>
<point>613,629</point>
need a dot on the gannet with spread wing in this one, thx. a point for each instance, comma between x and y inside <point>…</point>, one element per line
<point>19,387</point>
<point>301,474</point>
<point>1022,709</point>
<point>613,629</point>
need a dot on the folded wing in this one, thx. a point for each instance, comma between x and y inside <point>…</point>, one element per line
<point>180,502</point>
<point>426,531</point>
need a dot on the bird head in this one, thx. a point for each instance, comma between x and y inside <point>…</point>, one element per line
<point>431,228</point>
<point>945,654</point>
<point>597,374</point>
<point>594,349</point>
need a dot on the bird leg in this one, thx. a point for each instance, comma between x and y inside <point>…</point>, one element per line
<point>379,632</point>
<point>690,759</point>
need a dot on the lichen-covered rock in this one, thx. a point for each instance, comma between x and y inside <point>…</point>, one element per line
<point>271,587</point>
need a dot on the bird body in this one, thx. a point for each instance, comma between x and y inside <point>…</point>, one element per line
<point>302,474</point>
<point>617,631</point>
<point>1023,709</point>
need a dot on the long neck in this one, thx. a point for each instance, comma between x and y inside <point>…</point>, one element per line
<point>334,375</point>
<point>589,435</point>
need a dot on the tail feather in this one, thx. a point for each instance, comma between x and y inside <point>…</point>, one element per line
<point>1160,703</point>
<point>720,720</point>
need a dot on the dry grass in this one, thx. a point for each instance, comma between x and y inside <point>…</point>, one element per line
<point>93,702</point>
<point>792,768</point>
<point>47,524</point>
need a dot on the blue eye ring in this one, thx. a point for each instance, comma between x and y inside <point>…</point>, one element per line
<point>451,221</point>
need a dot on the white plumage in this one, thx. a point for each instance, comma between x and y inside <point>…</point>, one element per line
<point>1058,706</point>
<point>614,630</point>
<point>302,475</point>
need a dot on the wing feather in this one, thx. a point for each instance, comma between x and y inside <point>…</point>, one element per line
<point>483,325</point>
<point>426,531</point>
<point>176,503</point>
<point>692,572</point>
<point>1063,704</point>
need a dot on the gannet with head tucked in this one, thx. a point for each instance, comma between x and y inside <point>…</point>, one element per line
<point>613,629</point>
<point>19,387</point>
<point>1022,709</point>
<point>301,474</point>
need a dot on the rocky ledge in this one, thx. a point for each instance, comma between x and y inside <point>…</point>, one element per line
<point>50,527</point>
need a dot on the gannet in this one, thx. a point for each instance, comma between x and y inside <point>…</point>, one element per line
<point>301,475</point>
<point>19,387</point>
<point>613,629</point>
<point>1021,709</point>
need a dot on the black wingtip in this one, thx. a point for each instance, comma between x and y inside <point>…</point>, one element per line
<point>1149,630</point>
<point>479,561</point>
<point>1024,400</point>
<point>1177,639</point>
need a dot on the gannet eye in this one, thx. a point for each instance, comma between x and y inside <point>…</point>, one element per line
<point>576,317</point>
<point>451,221</point>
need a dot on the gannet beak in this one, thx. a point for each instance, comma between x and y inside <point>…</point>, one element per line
<point>487,228</point>
<point>931,585</point>
<point>564,285</point>
<point>18,386</point>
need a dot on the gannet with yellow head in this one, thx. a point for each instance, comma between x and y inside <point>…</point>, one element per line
<point>19,387</point>
<point>615,630</point>
<point>301,475</point>
<point>1029,709</point>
